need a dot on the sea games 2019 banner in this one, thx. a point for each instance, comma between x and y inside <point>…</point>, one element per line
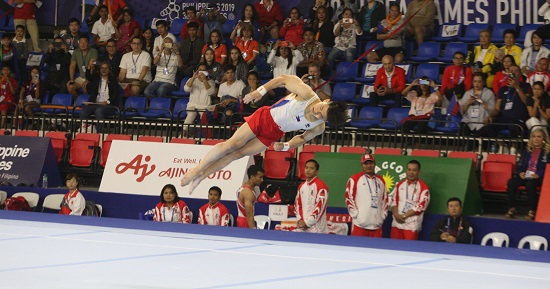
<point>518,12</point>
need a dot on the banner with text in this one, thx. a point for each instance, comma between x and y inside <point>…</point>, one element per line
<point>143,168</point>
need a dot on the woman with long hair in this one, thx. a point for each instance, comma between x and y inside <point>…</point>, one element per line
<point>538,106</point>
<point>501,76</point>
<point>322,28</point>
<point>292,29</point>
<point>215,70</point>
<point>284,57</point>
<point>31,93</point>
<point>171,208</point>
<point>128,29</point>
<point>215,43</point>
<point>236,59</point>
<point>250,15</point>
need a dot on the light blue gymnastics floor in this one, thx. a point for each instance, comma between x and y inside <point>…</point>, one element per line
<point>55,255</point>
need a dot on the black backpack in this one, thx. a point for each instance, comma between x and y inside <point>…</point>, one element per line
<point>91,209</point>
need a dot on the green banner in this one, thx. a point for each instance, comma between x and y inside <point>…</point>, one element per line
<point>446,178</point>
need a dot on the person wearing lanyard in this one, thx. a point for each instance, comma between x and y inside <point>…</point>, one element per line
<point>167,63</point>
<point>171,208</point>
<point>367,200</point>
<point>311,201</point>
<point>529,172</point>
<point>72,38</point>
<point>80,60</point>
<point>454,228</point>
<point>409,200</point>
<point>248,46</point>
<point>475,106</point>
<point>30,93</point>
<point>135,68</point>
<point>104,95</point>
<point>423,102</point>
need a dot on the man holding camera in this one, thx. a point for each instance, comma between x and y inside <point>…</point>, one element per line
<point>475,107</point>
<point>313,79</point>
<point>390,81</point>
<point>212,19</point>
<point>57,59</point>
<point>167,63</point>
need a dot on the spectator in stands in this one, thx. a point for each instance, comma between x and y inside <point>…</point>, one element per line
<point>219,48</point>
<point>475,107</point>
<point>313,11</point>
<point>349,4</point>
<point>421,25</point>
<point>250,16</point>
<point>135,68</point>
<point>162,29</point>
<point>112,56</point>
<point>212,20</point>
<point>190,49</point>
<point>200,87</point>
<point>313,79</point>
<point>312,51</point>
<point>372,14</point>
<point>485,53</point>
<point>392,46</point>
<point>367,200</point>
<point>230,93</point>
<point>253,82</point>
<point>284,58</point>
<point>7,55</point>
<point>117,7</point>
<point>540,74</point>
<point>530,55</point>
<point>236,59</point>
<point>191,13</point>
<point>72,37</point>
<point>215,70</point>
<point>103,30</point>
<point>457,78</point>
<point>171,208</point>
<point>323,29</point>
<point>31,92</point>
<point>530,172</point>
<point>126,31</point>
<point>80,62</point>
<point>73,202</point>
<point>214,213</point>
<point>292,29</point>
<point>544,11</point>
<point>104,95</point>
<point>8,87</point>
<point>409,200</point>
<point>271,18</point>
<point>167,63</point>
<point>501,77</point>
<point>148,41</point>
<point>311,201</point>
<point>58,60</point>
<point>454,228</point>
<point>249,47</point>
<point>246,198</point>
<point>510,107</point>
<point>538,106</point>
<point>423,102</point>
<point>390,82</point>
<point>510,47</point>
<point>21,48</point>
<point>346,31</point>
<point>24,14</point>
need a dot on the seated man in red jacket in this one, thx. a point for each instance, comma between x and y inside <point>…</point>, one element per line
<point>390,81</point>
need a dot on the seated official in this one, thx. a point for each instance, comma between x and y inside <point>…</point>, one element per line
<point>171,208</point>
<point>454,228</point>
<point>214,213</point>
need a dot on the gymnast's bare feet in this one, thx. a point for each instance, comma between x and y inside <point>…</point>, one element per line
<point>193,185</point>
<point>187,178</point>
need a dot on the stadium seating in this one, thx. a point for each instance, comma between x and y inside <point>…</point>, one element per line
<point>133,106</point>
<point>352,150</point>
<point>183,140</point>
<point>368,73</point>
<point>450,49</point>
<point>466,155</point>
<point>306,154</point>
<point>159,107</point>
<point>180,92</point>
<point>430,70</point>
<point>346,71</point>
<point>33,133</point>
<point>148,138</point>
<point>180,109</point>
<point>278,164</point>
<point>425,153</point>
<point>448,32</point>
<point>523,31</point>
<point>394,118</point>
<point>427,51</point>
<point>364,95</point>
<point>498,31</point>
<point>344,91</point>
<point>106,146</point>
<point>369,117</point>
<point>471,32</point>
<point>388,151</point>
<point>59,143</point>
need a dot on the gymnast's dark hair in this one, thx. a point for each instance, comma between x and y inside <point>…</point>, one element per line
<point>337,112</point>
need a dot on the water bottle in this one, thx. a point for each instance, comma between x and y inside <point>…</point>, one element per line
<point>45,181</point>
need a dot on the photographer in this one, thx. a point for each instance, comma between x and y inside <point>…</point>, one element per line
<point>313,79</point>
<point>346,31</point>
<point>57,59</point>
<point>284,58</point>
<point>167,63</point>
<point>422,103</point>
<point>212,20</point>
<point>475,107</point>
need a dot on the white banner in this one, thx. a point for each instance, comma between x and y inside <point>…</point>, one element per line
<point>143,168</point>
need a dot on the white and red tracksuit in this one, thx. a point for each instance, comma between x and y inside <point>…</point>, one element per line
<point>179,213</point>
<point>311,205</point>
<point>216,215</point>
<point>410,196</point>
<point>73,203</point>
<point>242,222</point>
<point>367,202</point>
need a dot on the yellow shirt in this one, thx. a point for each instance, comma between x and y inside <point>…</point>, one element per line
<point>515,51</point>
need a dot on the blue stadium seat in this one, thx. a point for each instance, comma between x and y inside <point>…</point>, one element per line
<point>369,117</point>
<point>345,72</point>
<point>158,107</point>
<point>344,91</point>
<point>134,105</point>
<point>394,118</point>
<point>379,44</point>
<point>60,99</point>
<point>427,51</point>
<point>523,31</point>
<point>78,102</point>
<point>471,33</point>
<point>498,31</point>
<point>180,92</point>
<point>141,22</point>
<point>450,49</point>
<point>448,32</point>
<point>363,98</point>
<point>430,70</point>
<point>180,108</point>
<point>368,72</point>
<point>176,25</point>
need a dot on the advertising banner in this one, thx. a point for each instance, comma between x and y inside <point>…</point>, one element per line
<point>24,160</point>
<point>143,168</point>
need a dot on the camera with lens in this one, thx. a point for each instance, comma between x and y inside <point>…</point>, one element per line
<point>57,44</point>
<point>310,77</point>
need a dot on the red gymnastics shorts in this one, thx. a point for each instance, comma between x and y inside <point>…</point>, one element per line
<point>264,127</point>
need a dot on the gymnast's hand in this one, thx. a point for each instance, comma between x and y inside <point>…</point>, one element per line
<point>252,96</point>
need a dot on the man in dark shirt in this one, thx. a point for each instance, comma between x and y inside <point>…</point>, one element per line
<point>454,228</point>
<point>113,56</point>
<point>57,59</point>
<point>190,49</point>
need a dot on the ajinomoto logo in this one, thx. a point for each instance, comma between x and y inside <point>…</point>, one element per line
<point>392,172</point>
